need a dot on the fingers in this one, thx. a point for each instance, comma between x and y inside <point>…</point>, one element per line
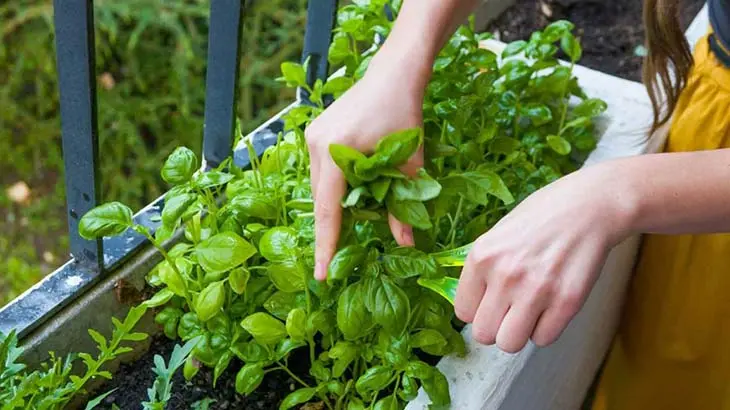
<point>314,171</point>
<point>327,215</point>
<point>489,316</point>
<point>517,326</point>
<point>469,292</point>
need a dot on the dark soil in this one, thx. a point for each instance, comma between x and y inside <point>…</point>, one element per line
<point>133,379</point>
<point>610,30</point>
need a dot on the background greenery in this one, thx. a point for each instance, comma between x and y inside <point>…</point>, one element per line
<point>150,62</point>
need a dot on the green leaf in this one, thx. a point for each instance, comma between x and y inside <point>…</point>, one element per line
<point>539,114</point>
<point>475,186</point>
<point>210,301</point>
<point>437,388</point>
<point>514,48</point>
<point>355,404</point>
<point>453,257</point>
<point>445,286</point>
<point>110,219</point>
<point>387,403</point>
<point>99,339</point>
<point>590,107</point>
<point>379,188</point>
<point>345,262</point>
<point>293,74</point>
<point>295,324</point>
<point>374,379</point>
<point>352,318</point>
<point>338,85</point>
<point>175,207</point>
<point>255,204</point>
<point>559,144</point>
<point>211,179</point>
<point>286,346</point>
<point>172,278</point>
<point>397,148</point>
<point>362,68</point>
<point>221,366</point>
<point>571,47</point>
<point>191,368</point>
<point>428,338</point>
<point>422,188</point>
<point>223,252</point>
<point>300,396</point>
<point>281,303</point>
<point>179,166</point>
<point>238,279</point>
<point>286,276</point>
<point>97,400</point>
<point>409,388</point>
<point>264,328</point>
<point>160,298</point>
<point>345,157</point>
<point>392,308</point>
<point>556,30</point>
<point>343,354</point>
<point>413,213</point>
<point>278,244</point>
<point>406,262</point>
<point>354,196</point>
<point>249,378</point>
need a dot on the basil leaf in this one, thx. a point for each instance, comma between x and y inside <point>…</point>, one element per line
<point>345,262</point>
<point>249,378</point>
<point>293,74</point>
<point>109,219</point>
<point>406,262</point>
<point>437,388</point>
<point>374,379</point>
<point>179,166</point>
<point>559,144</point>
<point>571,47</point>
<point>210,301</point>
<point>428,338</point>
<point>238,279</point>
<point>286,276</point>
<point>387,403</point>
<point>354,196</point>
<point>264,328</point>
<point>355,404</point>
<point>172,278</point>
<point>255,204</point>
<point>557,29</point>
<point>409,388</point>
<point>175,207</point>
<point>352,318</point>
<point>280,303</point>
<point>211,179</point>
<point>474,186</point>
<point>392,308</point>
<point>590,107</point>
<point>337,86</point>
<point>345,157</point>
<point>343,354</point>
<point>514,48</point>
<point>445,286</point>
<point>422,188</point>
<point>300,396</point>
<point>286,346</point>
<point>419,370</point>
<point>278,244</point>
<point>223,252</point>
<point>539,114</point>
<point>160,298</point>
<point>250,351</point>
<point>413,213</point>
<point>295,324</point>
<point>397,148</point>
<point>379,188</point>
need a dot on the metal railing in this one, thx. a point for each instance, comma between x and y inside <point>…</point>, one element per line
<point>74,29</point>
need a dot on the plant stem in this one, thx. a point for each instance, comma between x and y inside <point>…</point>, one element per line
<point>452,231</point>
<point>565,103</point>
<point>292,375</point>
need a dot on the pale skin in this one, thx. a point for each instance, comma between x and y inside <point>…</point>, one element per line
<point>528,276</point>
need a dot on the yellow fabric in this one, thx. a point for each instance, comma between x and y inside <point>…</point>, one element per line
<point>672,350</point>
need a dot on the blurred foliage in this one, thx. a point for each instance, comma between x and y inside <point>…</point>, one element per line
<point>150,62</point>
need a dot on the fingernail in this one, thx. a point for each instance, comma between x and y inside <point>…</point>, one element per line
<point>320,271</point>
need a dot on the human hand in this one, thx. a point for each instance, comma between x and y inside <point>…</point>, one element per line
<point>382,102</point>
<point>531,273</point>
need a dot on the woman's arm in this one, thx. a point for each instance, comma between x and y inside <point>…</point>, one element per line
<point>530,274</point>
<point>388,98</point>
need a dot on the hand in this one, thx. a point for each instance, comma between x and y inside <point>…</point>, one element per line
<point>380,103</point>
<point>531,273</point>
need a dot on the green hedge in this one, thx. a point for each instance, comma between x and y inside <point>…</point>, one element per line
<point>150,63</point>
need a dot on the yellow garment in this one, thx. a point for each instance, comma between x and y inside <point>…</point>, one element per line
<point>672,350</point>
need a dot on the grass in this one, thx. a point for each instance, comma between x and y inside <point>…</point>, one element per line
<point>151,71</point>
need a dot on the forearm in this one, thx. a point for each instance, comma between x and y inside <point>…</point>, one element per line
<point>673,193</point>
<point>420,31</point>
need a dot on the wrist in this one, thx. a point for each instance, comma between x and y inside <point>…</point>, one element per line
<point>621,200</point>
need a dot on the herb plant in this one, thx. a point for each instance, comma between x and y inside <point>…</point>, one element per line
<point>496,128</point>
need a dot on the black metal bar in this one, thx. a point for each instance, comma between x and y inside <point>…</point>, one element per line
<point>221,82</point>
<point>74,27</point>
<point>321,16</point>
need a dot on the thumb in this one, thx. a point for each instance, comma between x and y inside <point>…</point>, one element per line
<point>403,233</point>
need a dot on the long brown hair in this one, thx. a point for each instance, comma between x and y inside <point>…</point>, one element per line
<point>668,59</point>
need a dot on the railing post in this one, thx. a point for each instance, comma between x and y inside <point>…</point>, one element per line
<point>321,16</point>
<point>221,82</point>
<point>74,28</point>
